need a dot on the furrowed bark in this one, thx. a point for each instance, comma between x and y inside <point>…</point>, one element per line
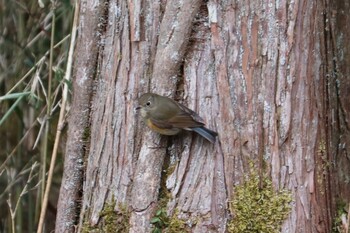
<point>270,78</point>
<point>68,206</point>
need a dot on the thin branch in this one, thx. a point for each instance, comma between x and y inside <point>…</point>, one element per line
<point>61,121</point>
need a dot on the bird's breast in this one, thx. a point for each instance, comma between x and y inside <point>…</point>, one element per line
<point>164,131</point>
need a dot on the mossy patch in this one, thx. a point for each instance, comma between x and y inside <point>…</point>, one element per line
<point>86,134</point>
<point>111,220</point>
<point>256,207</point>
<point>341,217</point>
<point>165,224</point>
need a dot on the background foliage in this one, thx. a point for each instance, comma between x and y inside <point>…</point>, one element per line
<point>29,106</point>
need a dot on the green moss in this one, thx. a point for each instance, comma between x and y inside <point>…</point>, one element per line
<point>87,228</point>
<point>111,220</point>
<point>115,221</point>
<point>258,209</point>
<point>86,134</point>
<point>176,224</point>
<point>170,170</point>
<point>164,195</point>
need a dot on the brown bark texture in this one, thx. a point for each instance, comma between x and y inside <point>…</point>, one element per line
<point>271,77</point>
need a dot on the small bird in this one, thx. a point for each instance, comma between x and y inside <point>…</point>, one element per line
<point>169,117</point>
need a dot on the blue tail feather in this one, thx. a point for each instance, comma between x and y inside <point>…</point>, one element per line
<point>208,134</point>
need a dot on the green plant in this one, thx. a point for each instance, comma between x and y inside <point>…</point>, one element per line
<point>160,221</point>
<point>163,223</point>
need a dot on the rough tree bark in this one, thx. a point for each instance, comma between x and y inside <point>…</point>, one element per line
<point>83,73</point>
<point>338,60</point>
<point>270,77</point>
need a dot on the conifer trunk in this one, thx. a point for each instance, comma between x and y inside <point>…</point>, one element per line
<point>269,77</point>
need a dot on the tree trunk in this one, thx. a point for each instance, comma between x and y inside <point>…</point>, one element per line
<point>270,78</point>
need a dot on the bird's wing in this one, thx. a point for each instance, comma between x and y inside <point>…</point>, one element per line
<point>184,120</point>
<point>161,124</point>
<point>193,114</point>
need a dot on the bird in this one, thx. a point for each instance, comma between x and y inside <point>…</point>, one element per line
<point>168,117</point>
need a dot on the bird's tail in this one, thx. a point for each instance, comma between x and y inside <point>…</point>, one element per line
<point>208,134</point>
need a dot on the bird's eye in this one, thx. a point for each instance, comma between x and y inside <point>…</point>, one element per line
<point>148,103</point>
